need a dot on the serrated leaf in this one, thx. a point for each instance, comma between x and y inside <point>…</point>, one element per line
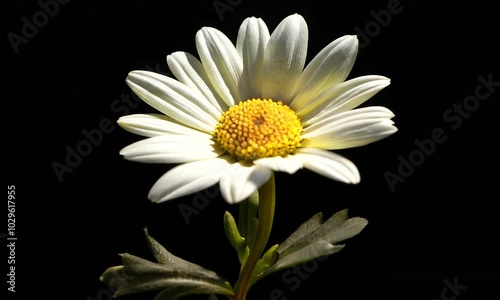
<point>175,279</point>
<point>310,252</point>
<point>315,239</point>
<point>346,230</point>
<point>336,229</point>
<point>163,256</point>
<point>303,230</point>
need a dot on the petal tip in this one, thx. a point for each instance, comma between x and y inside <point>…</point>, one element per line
<point>356,180</point>
<point>155,198</point>
<point>295,18</point>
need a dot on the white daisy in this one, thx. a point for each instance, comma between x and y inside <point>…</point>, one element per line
<point>245,111</point>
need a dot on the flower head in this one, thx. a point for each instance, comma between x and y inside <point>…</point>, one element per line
<point>243,111</point>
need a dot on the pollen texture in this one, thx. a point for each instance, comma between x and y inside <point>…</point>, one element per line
<point>258,128</point>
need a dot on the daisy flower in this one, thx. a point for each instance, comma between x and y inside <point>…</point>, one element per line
<point>241,112</point>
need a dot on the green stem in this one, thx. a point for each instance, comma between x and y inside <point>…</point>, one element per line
<point>267,199</point>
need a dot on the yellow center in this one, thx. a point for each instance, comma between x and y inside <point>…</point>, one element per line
<point>258,128</point>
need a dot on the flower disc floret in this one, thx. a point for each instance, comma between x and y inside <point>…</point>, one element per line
<point>258,128</point>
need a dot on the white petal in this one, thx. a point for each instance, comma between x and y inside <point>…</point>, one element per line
<point>285,58</point>
<point>155,124</point>
<point>221,61</point>
<point>172,98</point>
<point>289,164</point>
<point>241,179</point>
<point>171,149</point>
<point>189,70</point>
<point>342,97</point>
<point>350,129</point>
<point>330,67</point>
<point>328,164</point>
<point>251,44</point>
<point>187,178</point>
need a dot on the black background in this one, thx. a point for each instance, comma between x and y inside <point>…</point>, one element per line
<point>441,223</point>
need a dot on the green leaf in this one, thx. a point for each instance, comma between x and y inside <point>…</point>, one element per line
<point>336,229</point>
<point>172,275</point>
<point>314,239</point>
<point>173,280</point>
<point>303,230</point>
<point>310,252</point>
<point>163,256</point>
<point>187,289</point>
